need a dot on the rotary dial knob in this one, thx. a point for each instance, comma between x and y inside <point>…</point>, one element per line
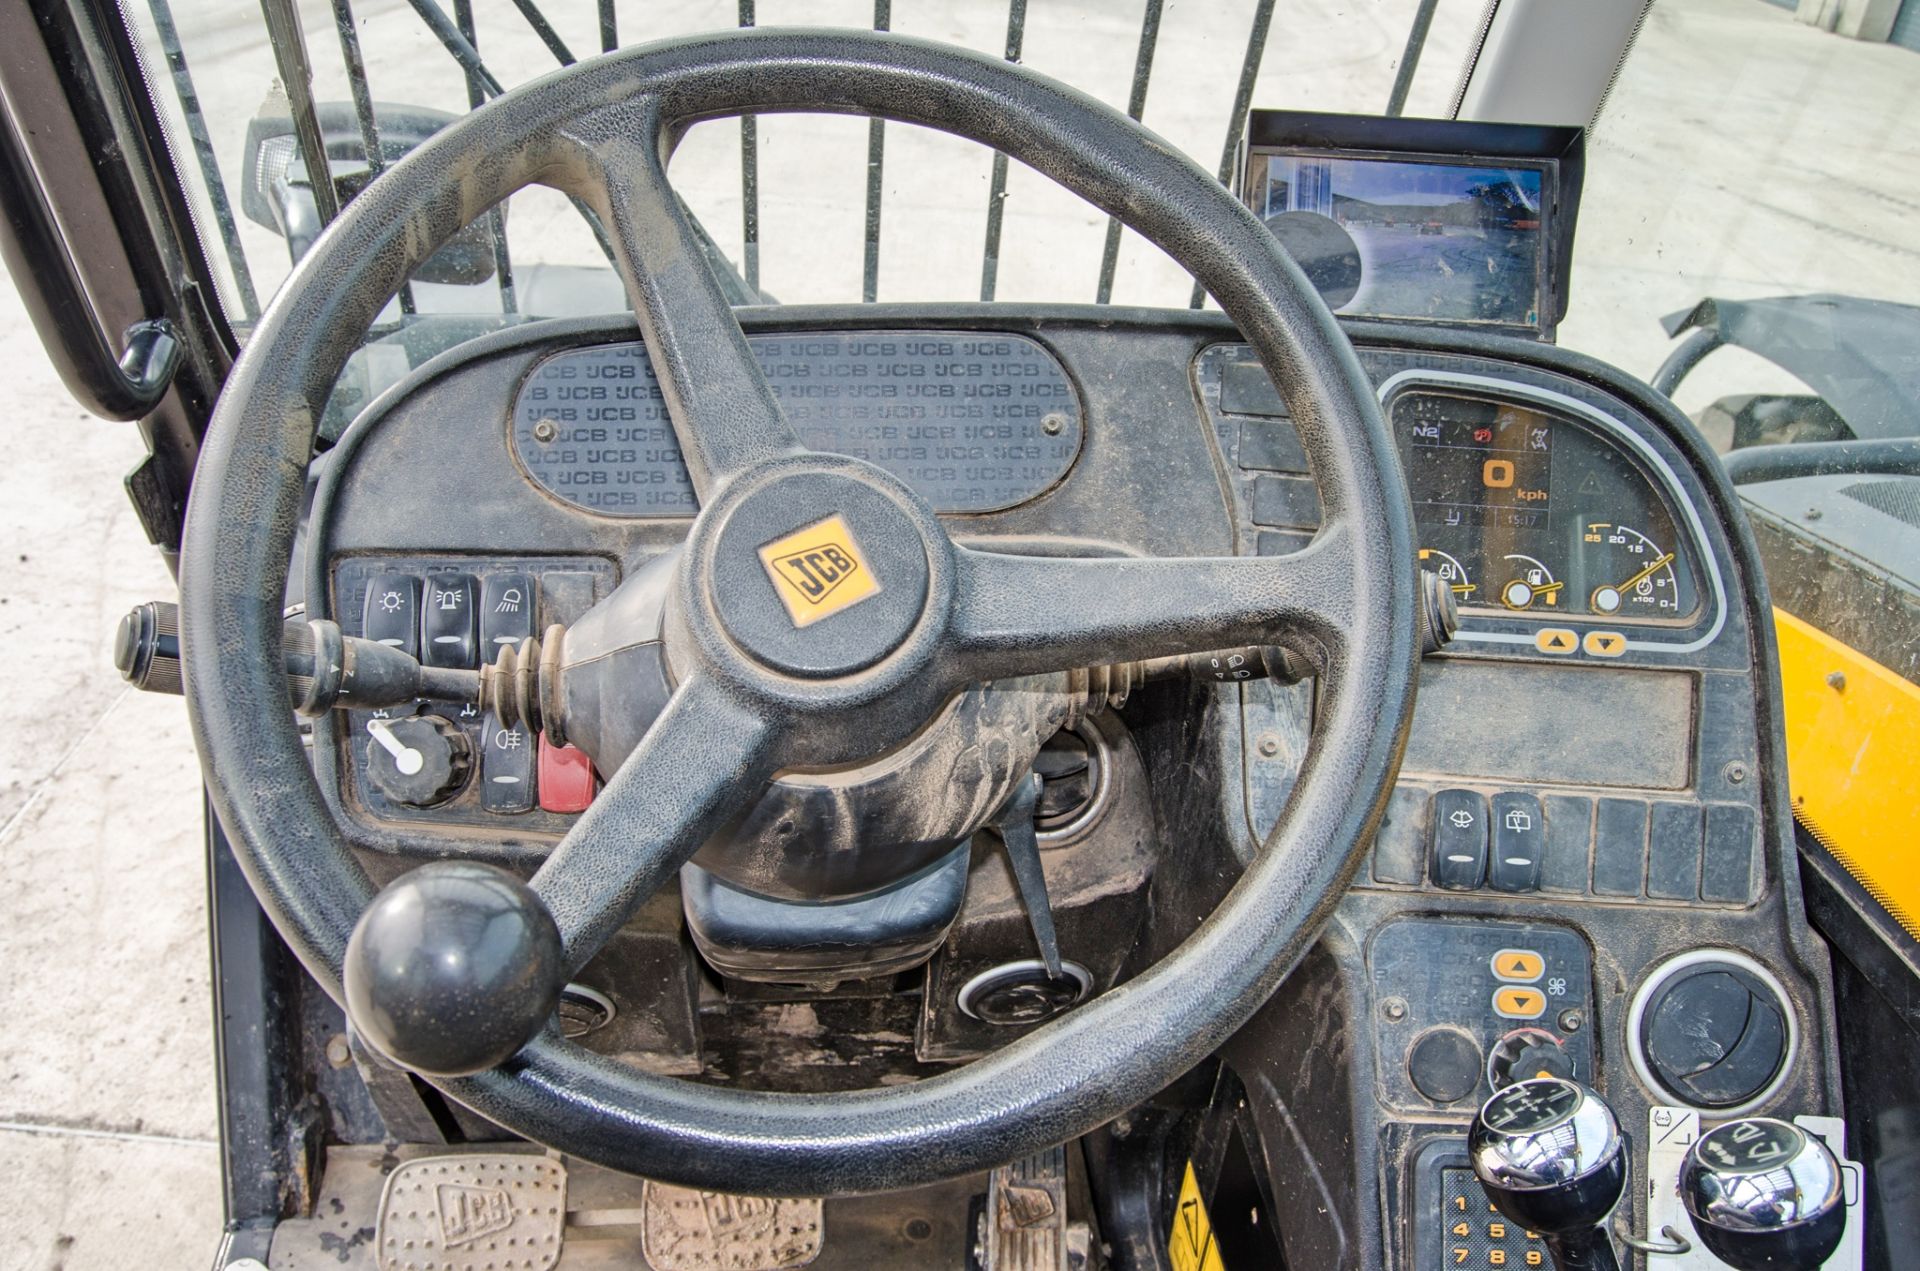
<point>420,761</point>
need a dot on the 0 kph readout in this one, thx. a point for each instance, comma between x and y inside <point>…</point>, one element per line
<point>1633,574</point>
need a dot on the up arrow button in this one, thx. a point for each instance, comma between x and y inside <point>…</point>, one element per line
<point>1518,966</point>
<point>1556,640</point>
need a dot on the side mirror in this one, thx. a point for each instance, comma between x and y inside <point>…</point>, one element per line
<point>278,193</point>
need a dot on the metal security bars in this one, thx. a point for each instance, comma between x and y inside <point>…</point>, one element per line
<point>457,35</point>
<point>208,162</point>
<point>296,77</point>
<point>1242,102</point>
<point>1136,106</point>
<point>476,94</point>
<point>544,29</point>
<point>609,27</point>
<point>997,189</point>
<point>876,155</point>
<point>1410,58</point>
<point>749,181</point>
<point>363,109</point>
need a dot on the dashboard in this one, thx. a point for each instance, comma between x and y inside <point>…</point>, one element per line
<point>1524,505</point>
<point>1586,802</point>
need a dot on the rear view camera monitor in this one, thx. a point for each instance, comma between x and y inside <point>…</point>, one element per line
<point>1449,236</point>
<point>1431,240</point>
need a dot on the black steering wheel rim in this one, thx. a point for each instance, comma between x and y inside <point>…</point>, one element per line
<point>1045,1087</point>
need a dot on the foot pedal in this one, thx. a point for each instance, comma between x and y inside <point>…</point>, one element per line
<point>688,1230</point>
<point>473,1213</point>
<point>1026,1217</point>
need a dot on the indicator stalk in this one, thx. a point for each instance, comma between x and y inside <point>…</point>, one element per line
<point>326,669</point>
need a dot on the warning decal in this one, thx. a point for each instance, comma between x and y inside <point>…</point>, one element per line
<point>1190,1245</point>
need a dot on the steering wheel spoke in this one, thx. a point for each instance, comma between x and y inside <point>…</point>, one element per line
<point>724,413</point>
<point>704,758</point>
<point>1021,615</point>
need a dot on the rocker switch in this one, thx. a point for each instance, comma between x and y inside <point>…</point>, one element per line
<point>1457,833</point>
<point>446,622</point>
<point>1519,833</point>
<point>506,768</point>
<point>391,615</point>
<point>506,612</point>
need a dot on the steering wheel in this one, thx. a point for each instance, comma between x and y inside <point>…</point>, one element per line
<point>758,691</point>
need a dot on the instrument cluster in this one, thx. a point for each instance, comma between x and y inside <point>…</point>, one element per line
<point>1523,510</point>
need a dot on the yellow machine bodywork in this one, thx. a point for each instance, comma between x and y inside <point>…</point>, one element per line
<point>1853,754</point>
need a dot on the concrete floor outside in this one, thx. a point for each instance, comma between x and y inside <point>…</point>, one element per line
<point>1743,154</point>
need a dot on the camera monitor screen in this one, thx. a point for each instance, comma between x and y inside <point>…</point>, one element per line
<point>1407,238</point>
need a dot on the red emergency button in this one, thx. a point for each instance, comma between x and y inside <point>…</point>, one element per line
<point>566,778</point>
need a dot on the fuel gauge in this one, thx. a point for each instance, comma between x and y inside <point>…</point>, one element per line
<point>1531,583</point>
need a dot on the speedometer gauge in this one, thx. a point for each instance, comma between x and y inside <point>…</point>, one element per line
<point>1530,514</point>
<point>1636,573</point>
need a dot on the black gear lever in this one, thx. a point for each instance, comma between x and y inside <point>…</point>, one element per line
<point>1015,824</point>
<point>1551,1158</point>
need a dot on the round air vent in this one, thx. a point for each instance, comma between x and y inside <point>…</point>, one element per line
<point>1712,1029</point>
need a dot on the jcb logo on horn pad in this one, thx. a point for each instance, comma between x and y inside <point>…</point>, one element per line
<point>818,571</point>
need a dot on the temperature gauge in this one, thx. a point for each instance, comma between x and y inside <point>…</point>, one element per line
<point>1636,573</point>
<point>1451,572</point>
<point>1531,583</point>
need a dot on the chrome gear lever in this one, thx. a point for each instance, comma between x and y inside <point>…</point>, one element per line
<point>1551,1158</point>
<point>1764,1195</point>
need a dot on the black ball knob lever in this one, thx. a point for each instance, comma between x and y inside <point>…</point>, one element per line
<point>1551,1158</point>
<point>1764,1195</point>
<point>453,968</point>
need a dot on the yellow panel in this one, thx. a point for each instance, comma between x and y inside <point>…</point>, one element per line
<point>1853,760</point>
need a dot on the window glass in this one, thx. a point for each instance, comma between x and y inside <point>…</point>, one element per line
<point>1742,153</point>
<point>215,77</point>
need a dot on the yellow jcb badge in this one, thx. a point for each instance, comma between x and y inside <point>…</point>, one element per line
<point>818,571</point>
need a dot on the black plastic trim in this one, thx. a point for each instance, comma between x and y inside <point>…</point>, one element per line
<point>256,1053</point>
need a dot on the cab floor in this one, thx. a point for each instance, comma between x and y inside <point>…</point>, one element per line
<point>923,1228</point>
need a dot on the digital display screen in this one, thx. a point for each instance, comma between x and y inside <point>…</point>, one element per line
<point>1398,237</point>
<point>1477,463</point>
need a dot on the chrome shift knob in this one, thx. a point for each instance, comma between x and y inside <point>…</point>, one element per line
<point>1551,1150</point>
<point>1764,1195</point>
<point>1551,1158</point>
